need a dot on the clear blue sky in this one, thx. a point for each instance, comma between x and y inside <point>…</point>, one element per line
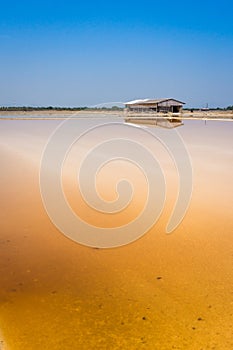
<point>73,53</point>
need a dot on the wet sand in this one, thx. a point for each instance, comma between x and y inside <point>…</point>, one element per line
<point>1,342</point>
<point>160,292</point>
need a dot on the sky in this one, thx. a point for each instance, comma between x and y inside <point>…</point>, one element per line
<point>76,53</point>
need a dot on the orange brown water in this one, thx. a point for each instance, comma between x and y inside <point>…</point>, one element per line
<point>160,292</point>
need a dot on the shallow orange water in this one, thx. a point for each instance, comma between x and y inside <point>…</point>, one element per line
<point>159,292</point>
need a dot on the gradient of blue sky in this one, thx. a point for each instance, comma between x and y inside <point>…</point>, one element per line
<point>73,53</point>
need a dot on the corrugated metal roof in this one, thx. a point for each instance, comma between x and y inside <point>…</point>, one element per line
<point>146,100</point>
<point>137,101</point>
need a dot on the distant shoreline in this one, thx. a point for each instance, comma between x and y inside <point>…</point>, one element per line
<point>38,114</point>
<point>59,111</point>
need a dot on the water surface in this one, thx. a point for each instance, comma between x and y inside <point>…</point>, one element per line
<point>159,292</point>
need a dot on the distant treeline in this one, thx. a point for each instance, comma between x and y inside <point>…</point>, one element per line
<point>50,108</point>
<point>229,108</point>
<point>114,108</point>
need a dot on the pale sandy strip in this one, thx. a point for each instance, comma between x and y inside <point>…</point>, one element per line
<point>127,118</point>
